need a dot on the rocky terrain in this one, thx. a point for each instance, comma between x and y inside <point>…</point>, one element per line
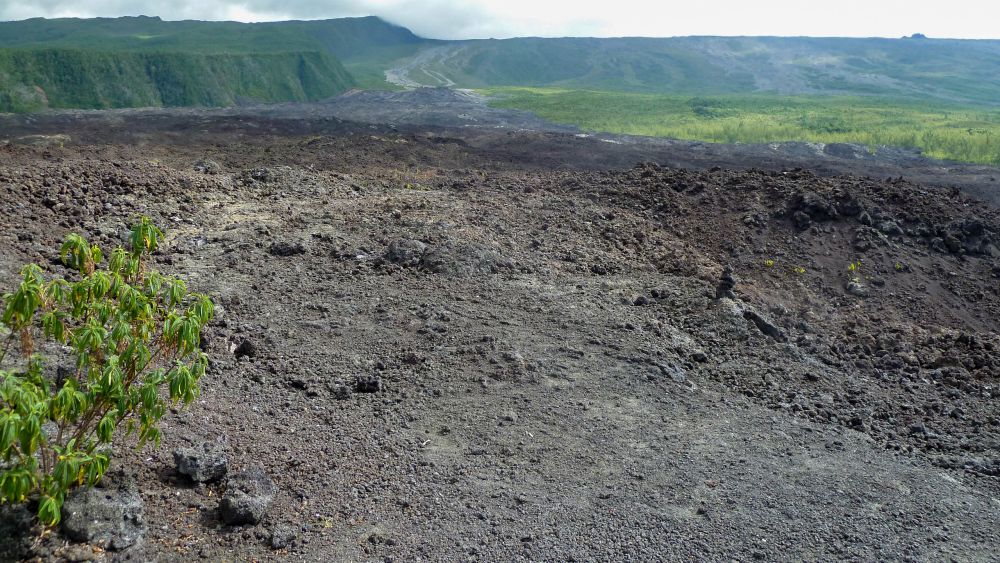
<point>490,344</point>
<point>485,136</point>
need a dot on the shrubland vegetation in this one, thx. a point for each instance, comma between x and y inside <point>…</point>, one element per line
<point>34,79</point>
<point>142,61</point>
<point>940,130</point>
<point>134,337</point>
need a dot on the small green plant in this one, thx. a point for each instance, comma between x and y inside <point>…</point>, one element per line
<point>854,270</point>
<point>132,332</point>
<point>769,263</point>
<point>799,270</point>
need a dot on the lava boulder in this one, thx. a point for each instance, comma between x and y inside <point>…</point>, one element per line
<point>202,464</point>
<point>285,249</point>
<point>248,495</point>
<point>109,515</point>
<point>406,252</point>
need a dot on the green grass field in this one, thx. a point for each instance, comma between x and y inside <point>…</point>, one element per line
<point>941,131</point>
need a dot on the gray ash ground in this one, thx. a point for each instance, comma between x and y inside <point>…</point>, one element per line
<point>439,350</point>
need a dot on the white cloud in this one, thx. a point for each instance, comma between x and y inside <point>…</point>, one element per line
<point>454,19</point>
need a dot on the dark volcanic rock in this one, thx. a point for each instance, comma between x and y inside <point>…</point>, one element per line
<point>814,206</point>
<point>340,390</point>
<point>109,515</point>
<point>890,228</point>
<point>765,326</point>
<point>246,349</point>
<point>282,536</point>
<point>464,260</point>
<point>17,530</point>
<point>952,243</point>
<point>726,284</point>
<point>207,166</point>
<point>368,384</point>
<point>248,495</point>
<point>202,464</point>
<point>857,289</point>
<point>286,249</point>
<point>405,252</point>
<point>802,220</point>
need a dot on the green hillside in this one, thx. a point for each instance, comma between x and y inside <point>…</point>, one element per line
<point>342,38</point>
<point>940,69</point>
<point>35,79</point>
<point>145,61</point>
<point>367,46</point>
<point>352,39</point>
<point>608,64</point>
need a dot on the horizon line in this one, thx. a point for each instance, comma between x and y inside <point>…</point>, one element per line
<point>915,36</point>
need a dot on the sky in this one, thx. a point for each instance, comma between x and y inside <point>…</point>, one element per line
<point>468,19</point>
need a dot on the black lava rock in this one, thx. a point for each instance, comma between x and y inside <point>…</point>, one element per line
<point>109,516</point>
<point>340,391</point>
<point>282,536</point>
<point>406,252</point>
<point>368,384</point>
<point>726,284</point>
<point>246,349</point>
<point>248,496</point>
<point>802,220</point>
<point>285,249</point>
<point>765,326</point>
<point>203,464</point>
<point>17,528</point>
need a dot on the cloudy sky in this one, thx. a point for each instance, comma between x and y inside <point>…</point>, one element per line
<point>462,19</point>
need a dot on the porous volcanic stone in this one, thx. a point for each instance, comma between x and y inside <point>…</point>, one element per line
<point>286,249</point>
<point>405,252</point>
<point>282,536</point>
<point>202,464</point>
<point>368,384</point>
<point>246,349</point>
<point>247,497</point>
<point>109,515</point>
<point>18,533</point>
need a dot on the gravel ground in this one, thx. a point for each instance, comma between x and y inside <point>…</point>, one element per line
<point>442,352</point>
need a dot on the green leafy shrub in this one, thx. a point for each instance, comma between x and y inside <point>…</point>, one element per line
<point>135,336</point>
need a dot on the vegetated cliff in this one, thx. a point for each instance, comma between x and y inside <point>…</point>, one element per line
<point>145,61</point>
<point>36,79</point>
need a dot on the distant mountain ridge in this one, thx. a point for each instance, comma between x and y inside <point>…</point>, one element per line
<point>342,37</point>
<point>145,61</point>
<point>961,71</point>
<point>124,62</point>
